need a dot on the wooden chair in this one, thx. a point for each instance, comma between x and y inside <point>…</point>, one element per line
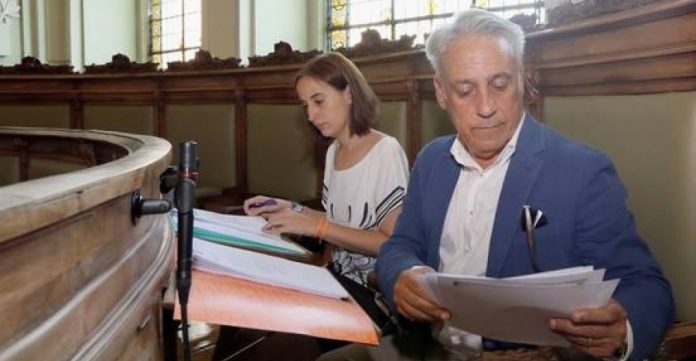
<point>679,343</point>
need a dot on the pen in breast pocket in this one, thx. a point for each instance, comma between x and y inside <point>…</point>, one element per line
<point>267,202</point>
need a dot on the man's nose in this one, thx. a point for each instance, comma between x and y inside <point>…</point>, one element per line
<point>485,105</point>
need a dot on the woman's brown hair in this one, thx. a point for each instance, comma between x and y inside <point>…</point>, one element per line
<point>339,72</point>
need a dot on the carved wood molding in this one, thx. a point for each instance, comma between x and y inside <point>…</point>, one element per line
<point>648,49</point>
<point>568,11</point>
<point>121,64</point>
<point>31,65</point>
<point>282,54</point>
<point>371,43</point>
<point>203,60</point>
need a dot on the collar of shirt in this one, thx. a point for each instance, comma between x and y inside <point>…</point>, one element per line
<point>463,157</point>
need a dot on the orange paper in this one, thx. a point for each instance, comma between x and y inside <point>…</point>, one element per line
<point>232,301</point>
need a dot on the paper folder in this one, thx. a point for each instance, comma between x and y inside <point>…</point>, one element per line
<point>231,301</point>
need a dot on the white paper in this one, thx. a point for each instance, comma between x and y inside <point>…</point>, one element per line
<point>216,258</point>
<point>244,231</point>
<point>518,309</point>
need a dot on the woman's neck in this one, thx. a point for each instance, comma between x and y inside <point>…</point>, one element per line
<point>349,142</point>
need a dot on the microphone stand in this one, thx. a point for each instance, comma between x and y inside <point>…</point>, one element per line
<point>185,195</point>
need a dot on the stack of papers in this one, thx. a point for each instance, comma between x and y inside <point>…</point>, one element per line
<point>240,231</point>
<point>252,266</point>
<point>518,309</point>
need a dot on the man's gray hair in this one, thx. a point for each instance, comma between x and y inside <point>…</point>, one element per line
<point>475,22</point>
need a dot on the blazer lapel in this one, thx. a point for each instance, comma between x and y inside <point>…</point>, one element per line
<point>522,172</point>
<point>440,193</point>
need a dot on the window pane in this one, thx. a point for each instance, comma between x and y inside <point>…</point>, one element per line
<point>156,44</point>
<point>369,11</point>
<point>157,59</point>
<point>190,54</point>
<point>354,34</point>
<point>192,30</point>
<point>171,8</point>
<point>409,17</point>
<point>192,6</point>
<point>338,12</point>
<point>171,33</point>
<point>170,57</point>
<point>155,11</point>
<point>451,6</point>
<point>339,39</point>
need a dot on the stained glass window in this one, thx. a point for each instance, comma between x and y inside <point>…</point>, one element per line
<point>175,30</point>
<point>347,19</point>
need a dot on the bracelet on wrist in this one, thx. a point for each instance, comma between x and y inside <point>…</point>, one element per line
<point>322,229</point>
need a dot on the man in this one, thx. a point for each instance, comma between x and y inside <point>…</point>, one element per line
<point>467,193</point>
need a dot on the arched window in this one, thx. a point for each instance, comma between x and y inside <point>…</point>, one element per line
<point>347,19</point>
<point>175,30</point>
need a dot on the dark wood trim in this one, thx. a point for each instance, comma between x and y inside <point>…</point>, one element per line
<point>413,120</point>
<point>240,136</point>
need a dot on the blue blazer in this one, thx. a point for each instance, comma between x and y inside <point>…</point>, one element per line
<point>588,223</point>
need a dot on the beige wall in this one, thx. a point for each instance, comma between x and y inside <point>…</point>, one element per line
<point>212,126</point>
<point>129,119</point>
<point>652,139</point>
<point>392,120</point>
<point>435,122</point>
<point>280,148</point>
<point>52,116</point>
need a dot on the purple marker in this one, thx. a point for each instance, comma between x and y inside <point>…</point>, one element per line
<point>267,202</point>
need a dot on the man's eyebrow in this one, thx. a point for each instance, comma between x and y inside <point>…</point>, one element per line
<point>463,82</point>
<point>315,95</point>
<point>501,75</point>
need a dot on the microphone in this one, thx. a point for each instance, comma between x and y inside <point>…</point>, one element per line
<point>185,195</point>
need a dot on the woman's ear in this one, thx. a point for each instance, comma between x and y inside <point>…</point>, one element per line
<point>348,95</point>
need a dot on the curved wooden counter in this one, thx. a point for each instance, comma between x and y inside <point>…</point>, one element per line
<point>80,280</point>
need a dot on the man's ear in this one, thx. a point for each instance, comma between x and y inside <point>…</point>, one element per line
<point>440,93</point>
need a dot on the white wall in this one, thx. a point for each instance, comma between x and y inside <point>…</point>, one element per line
<point>110,27</point>
<point>280,20</point>
<point>220,27</point>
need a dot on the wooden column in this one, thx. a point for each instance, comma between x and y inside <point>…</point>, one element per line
<point>240,136</point>
<point>413,119</point>
<point>160,115</point>
<point>76,112</point>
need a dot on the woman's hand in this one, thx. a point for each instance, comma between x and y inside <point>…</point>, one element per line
<point>289,221</point>
<point>260,205</point>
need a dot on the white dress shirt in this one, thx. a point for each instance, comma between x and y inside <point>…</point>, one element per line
<point>466,234</point>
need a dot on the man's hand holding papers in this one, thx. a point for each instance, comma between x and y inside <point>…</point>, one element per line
<point>597,331</point>
<point>413,297</point>
<point>527,304</point>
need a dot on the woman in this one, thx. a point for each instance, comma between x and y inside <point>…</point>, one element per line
<point>365,175</point>
<point>365,180</point>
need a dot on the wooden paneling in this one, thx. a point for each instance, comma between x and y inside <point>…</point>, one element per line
<point>651,49</point>
<point>80,279</point>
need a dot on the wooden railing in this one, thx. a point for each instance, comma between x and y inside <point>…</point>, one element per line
<point>82,279</point>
